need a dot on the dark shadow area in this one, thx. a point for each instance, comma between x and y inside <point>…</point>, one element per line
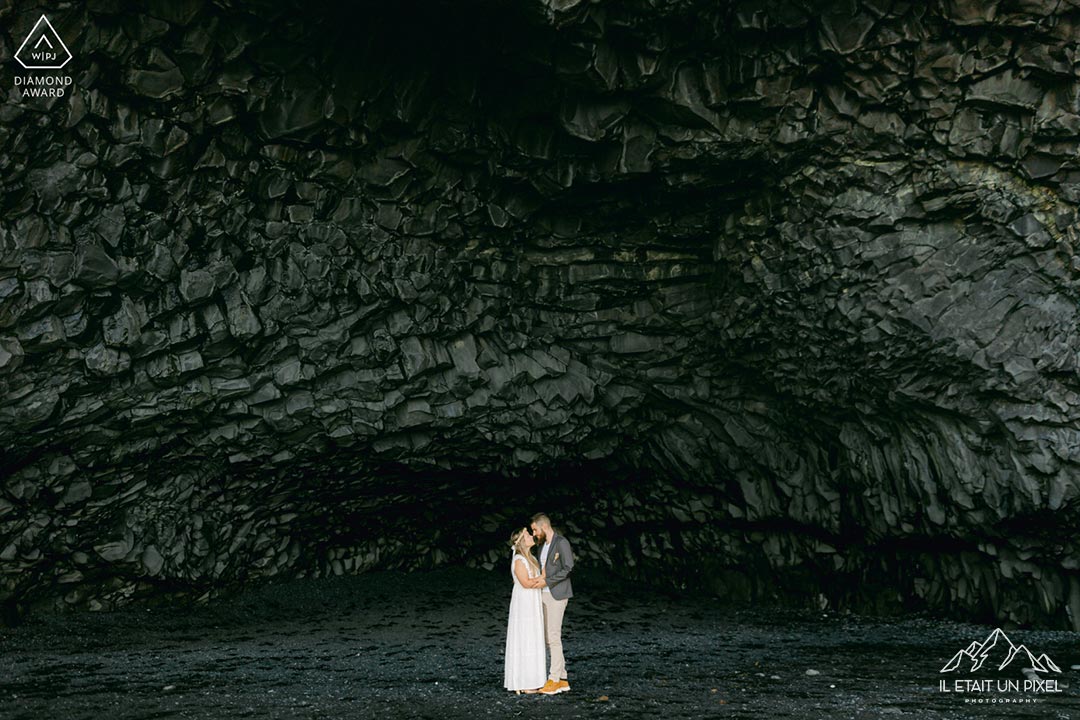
<point>429,644</point>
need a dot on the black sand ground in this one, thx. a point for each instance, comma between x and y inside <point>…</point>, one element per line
<point>430,645</point>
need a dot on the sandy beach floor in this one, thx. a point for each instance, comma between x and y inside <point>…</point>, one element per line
<point>429,645</point>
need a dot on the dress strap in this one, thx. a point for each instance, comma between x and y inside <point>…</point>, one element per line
<point>528,567</point>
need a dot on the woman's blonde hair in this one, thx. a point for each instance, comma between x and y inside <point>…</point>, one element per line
<point>517,542</point>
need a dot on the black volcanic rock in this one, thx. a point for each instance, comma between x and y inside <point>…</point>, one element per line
<point>778,298</point>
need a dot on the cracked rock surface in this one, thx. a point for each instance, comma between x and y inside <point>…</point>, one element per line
<point>779,298</point>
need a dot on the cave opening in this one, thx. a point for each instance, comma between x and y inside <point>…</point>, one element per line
<point>760,302</point>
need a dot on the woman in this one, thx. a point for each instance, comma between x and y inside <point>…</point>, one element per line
<point>525,651</point>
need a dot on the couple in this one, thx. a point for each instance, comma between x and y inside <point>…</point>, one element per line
<point>541,591</point>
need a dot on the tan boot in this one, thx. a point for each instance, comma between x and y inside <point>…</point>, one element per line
<point>550,688</point>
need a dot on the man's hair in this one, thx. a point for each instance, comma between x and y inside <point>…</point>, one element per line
<point>541,518</point>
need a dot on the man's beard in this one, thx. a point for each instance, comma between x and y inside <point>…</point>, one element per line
<point>541,537</point>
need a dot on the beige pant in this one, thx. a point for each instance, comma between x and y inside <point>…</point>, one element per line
<point>553,614</point>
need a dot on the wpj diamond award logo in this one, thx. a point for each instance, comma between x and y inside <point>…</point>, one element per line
<point>998,653</point>
<point>43,49</point>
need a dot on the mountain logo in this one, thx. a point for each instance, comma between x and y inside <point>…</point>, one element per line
<point>997,646</point>
<point>43,49</point>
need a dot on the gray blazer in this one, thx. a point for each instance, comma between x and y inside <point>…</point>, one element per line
<point>560,561</point>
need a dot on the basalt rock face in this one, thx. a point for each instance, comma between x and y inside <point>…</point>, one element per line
<point>780,298</point>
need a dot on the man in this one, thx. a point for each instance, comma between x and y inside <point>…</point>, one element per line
<point>557,560</point>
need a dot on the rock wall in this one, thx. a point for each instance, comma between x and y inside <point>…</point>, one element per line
<point>777,298</point>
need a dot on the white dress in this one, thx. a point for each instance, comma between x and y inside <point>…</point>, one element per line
<point>525,648</point>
